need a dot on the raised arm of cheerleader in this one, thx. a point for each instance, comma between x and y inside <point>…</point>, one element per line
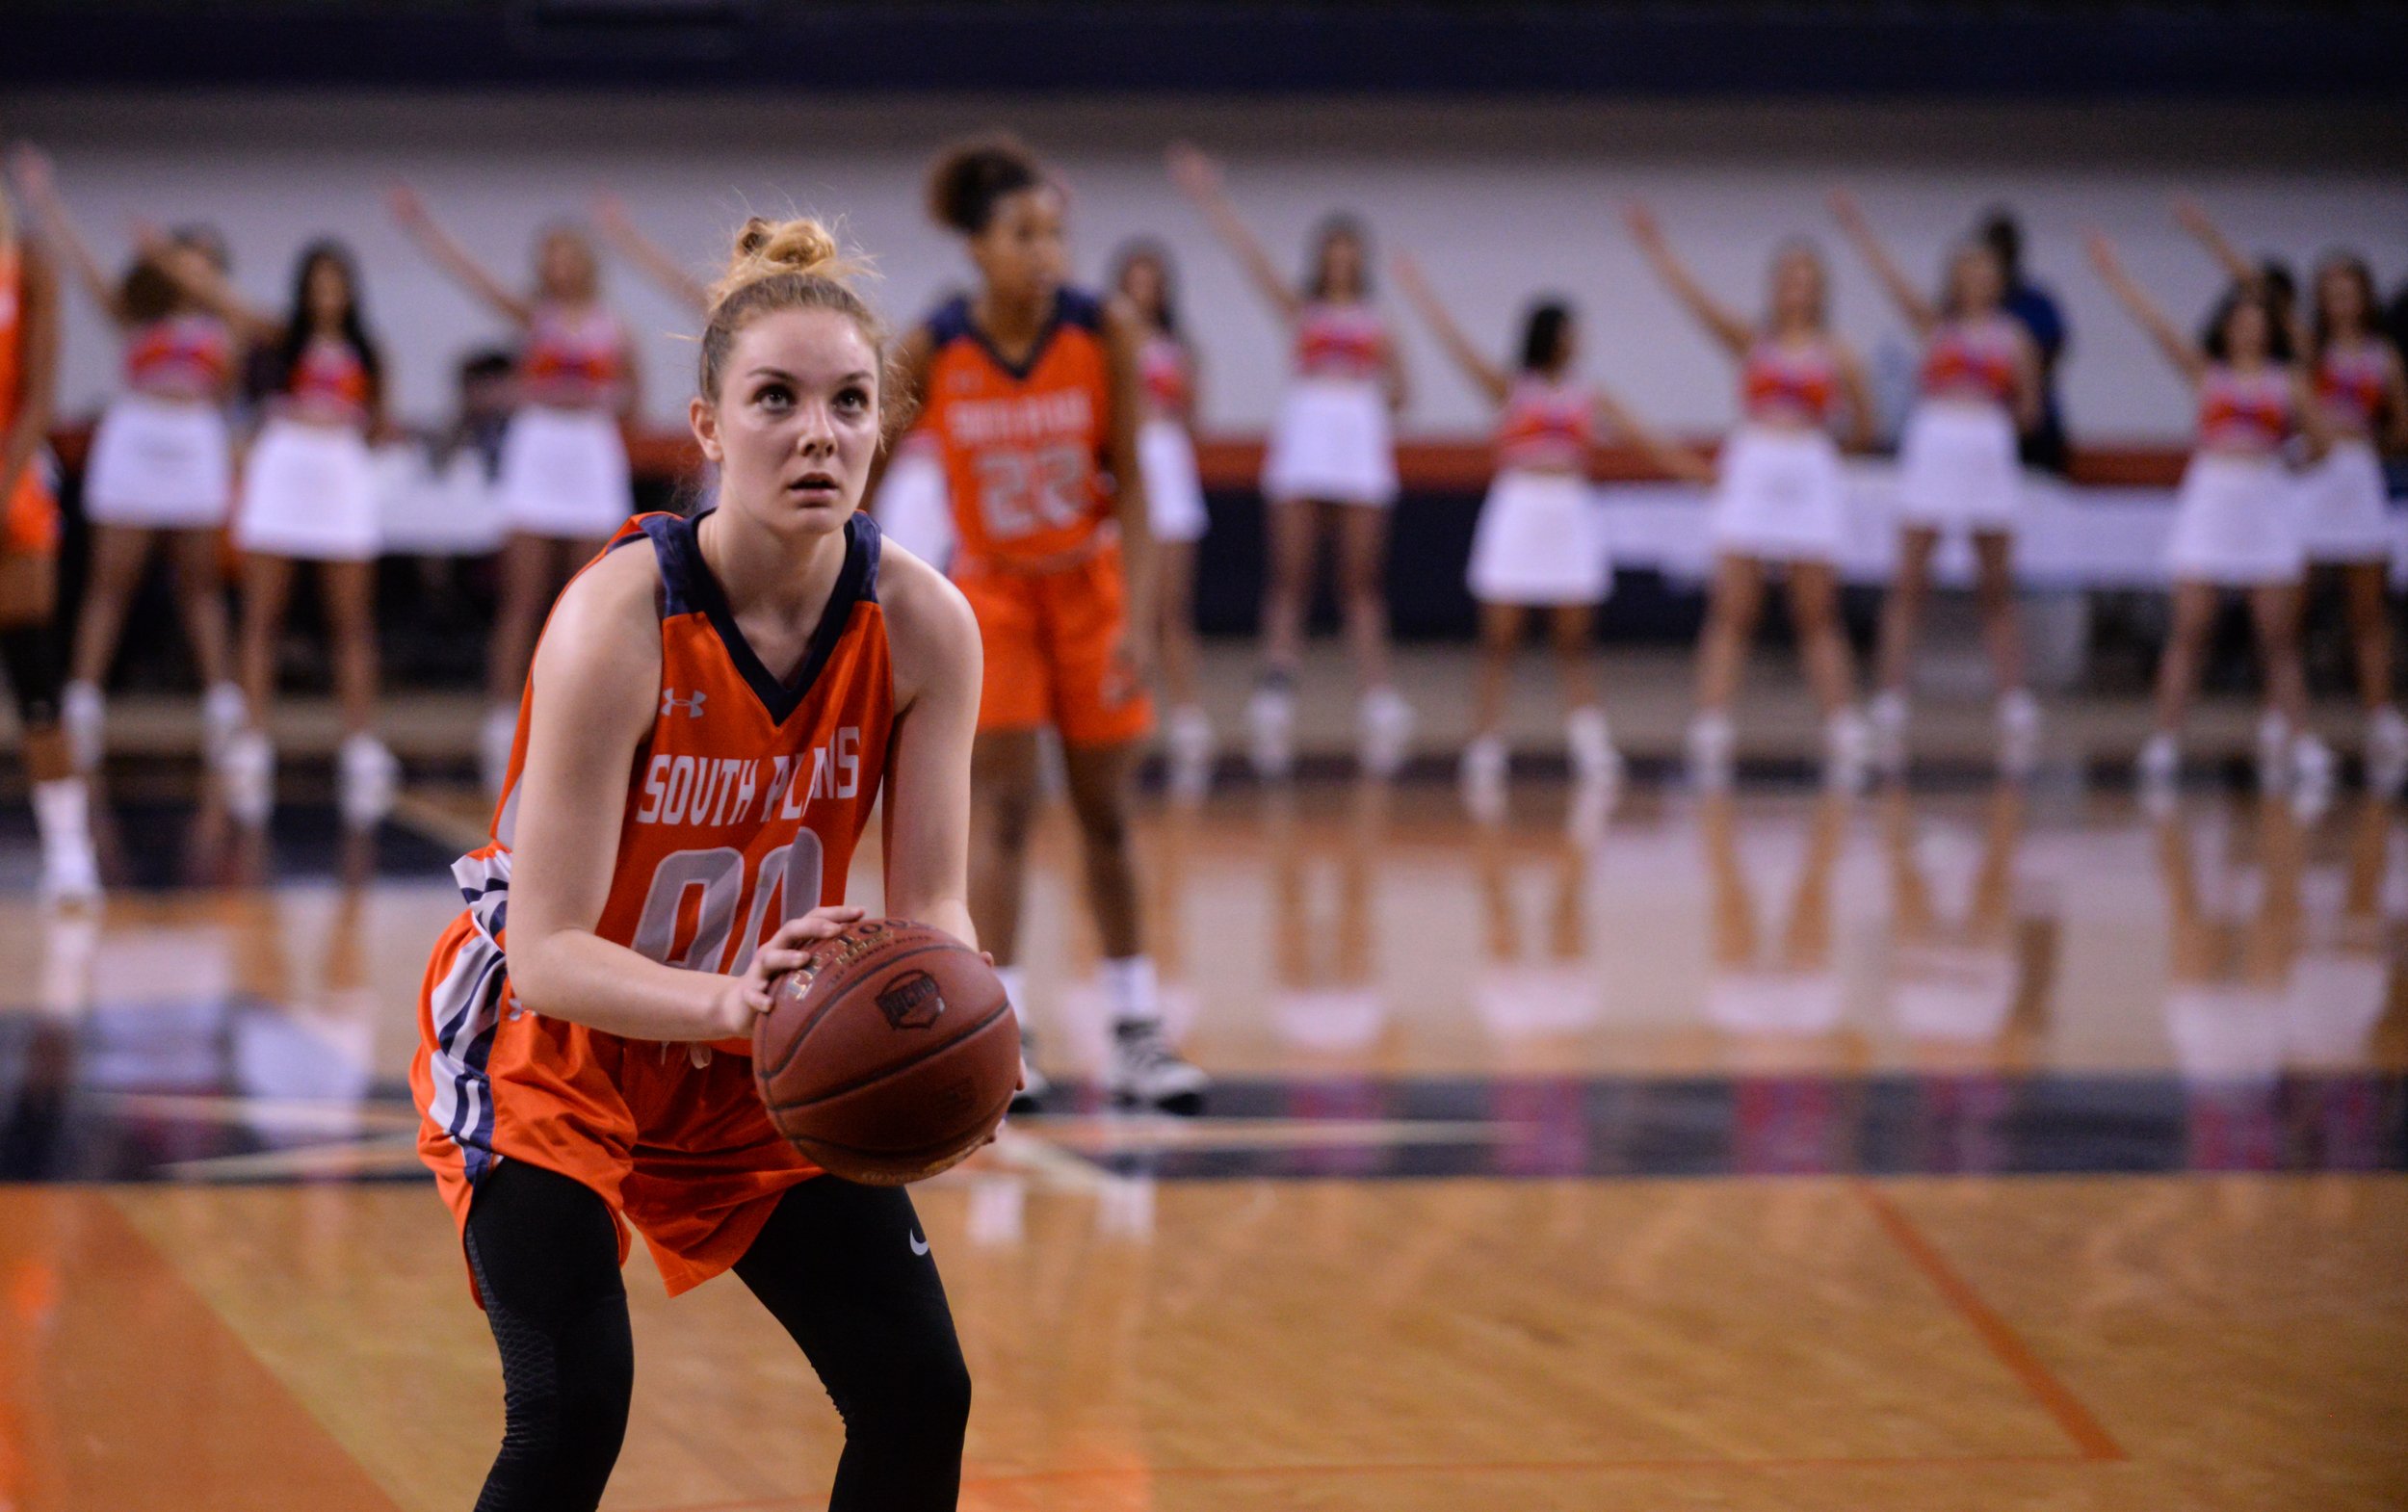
<point>2179,348</point>
<point>1124,337</point>
<point>29,166</point>
<point>2192,217</point>
<point>38,363</point>
<point>1919,311</point>
<point>1198,177</point>
<point>1722,321</point>
<point>1672,455</point>
<point>1485,376</point>
<point>598,687</point>
<point>651,259</point>
<point>446,252</point>
<point>1856,393</point>
<point>934,641</point>
<point>201,281</point>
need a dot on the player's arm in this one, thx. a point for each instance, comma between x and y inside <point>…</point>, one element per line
<point>938,671</point>
<point>37,388</point>
<point>596,689</point>
<point>1123,337</point>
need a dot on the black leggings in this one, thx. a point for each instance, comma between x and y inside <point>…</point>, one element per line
<point>843,1267</point>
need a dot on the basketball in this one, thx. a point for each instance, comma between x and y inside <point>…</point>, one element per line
<point>891,1055</point>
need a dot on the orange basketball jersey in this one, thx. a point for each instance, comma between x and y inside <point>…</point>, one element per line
<point>28,515</point>
<point>1024,446</point>
<point>743,808</point>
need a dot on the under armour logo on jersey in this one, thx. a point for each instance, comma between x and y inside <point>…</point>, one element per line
<point>671,703</point>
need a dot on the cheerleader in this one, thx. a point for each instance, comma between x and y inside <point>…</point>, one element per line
<point>650,259</point>
<point>1780,497</point>
<point>160,466</point>
<point>2232,523</point>
<point>1958,469</point>
<point>1331,469</point>
<point>2342,503</point>
<point>564,485</point>
<point>1539,544</point>
<point>1174,495</point>
<point>308,495</point>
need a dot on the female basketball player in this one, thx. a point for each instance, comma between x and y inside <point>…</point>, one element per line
<point>2345,521</point>
<point>1174,492</point>
<point>1537,544</point>
<point>1030,390</point>
<point>1780,500</point>
<point>716,704</point>
<point>565,483</point>
<point>1958,468</point>
<point>29,560</point>
<point>1331,470</point>
<point>2233,525</point>
<point>160,466</point>
<point>308,495</point>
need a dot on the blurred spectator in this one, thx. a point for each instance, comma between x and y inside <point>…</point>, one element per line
<point>2044,445</point>
<point>486,399</point>
<point>2395,318</point>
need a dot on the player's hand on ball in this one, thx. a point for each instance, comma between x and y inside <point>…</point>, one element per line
<point>748,996</point>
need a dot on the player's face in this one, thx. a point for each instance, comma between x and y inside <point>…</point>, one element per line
<point>796,422</point>
<point>1021,253</point>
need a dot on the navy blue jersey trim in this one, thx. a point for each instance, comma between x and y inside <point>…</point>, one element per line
<point>1071,308</point>
<point>690,586</point>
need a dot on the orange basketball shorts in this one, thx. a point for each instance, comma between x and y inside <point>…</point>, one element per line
<point>28,517</point>
<point>685,1154</point>
<point>1051,639</point>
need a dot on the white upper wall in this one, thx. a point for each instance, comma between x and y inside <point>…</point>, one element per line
<point>1500,202</point>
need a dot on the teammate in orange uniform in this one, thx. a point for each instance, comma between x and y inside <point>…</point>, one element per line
<point>29,558</point>
<point>714,708</point>
<point>1032,392</point>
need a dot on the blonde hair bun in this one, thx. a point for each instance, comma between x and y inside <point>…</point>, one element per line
<point>768,248</point>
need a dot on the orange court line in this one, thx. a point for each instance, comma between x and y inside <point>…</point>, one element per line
<point>2053,1394</point>
<point>1461,1468</point>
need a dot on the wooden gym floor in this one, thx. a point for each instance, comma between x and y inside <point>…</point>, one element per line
<point>1957,1148</point>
